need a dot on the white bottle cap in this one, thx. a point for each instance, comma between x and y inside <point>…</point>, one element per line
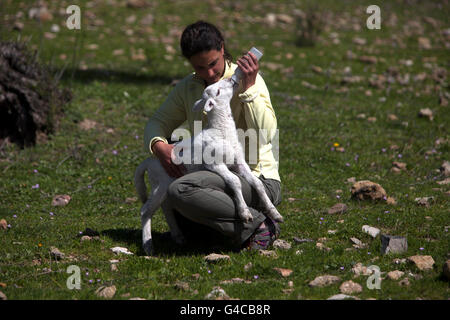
<point>238,73</point>
<point>256,52</point>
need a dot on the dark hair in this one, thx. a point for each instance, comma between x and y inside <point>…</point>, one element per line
<point>202,36</point>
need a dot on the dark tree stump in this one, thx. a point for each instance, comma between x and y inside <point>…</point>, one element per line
<point>30,101</point>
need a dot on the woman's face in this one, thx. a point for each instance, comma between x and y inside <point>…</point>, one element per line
<point>209,65</point>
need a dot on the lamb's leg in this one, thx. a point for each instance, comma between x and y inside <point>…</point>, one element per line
<point>270,210</point>
<point>147,211</point>
<point>235,184</point>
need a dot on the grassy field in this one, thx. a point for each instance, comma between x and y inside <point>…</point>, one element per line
<point>346,107</point>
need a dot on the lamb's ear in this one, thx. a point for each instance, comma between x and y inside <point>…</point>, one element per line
<point>210,103</point>
<point>198,105</point>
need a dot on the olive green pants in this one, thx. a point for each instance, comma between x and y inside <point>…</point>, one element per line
<point>203,203</point>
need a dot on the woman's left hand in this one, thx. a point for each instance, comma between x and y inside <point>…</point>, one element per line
<point>249,66</point>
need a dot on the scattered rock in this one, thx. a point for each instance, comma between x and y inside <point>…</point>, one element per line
<point>393,244</point>
<point>40,14</point>
<point>392,117</point>
<point>415,276</point>
<point>444,182</point>
<point>316,69</point>
<point>298,240</point>
<point>368,59</point>
<point>87,124</point>
<point>182,286</point>
<point>349,287</point>
<point>351,180</point>
<point>322,247</point>
<point>405,282</point>
<point>268,253</point>
<point>443,101</point>
<point>137,4</point>
<point>426,113</point>
<point>287,291</point>
<point>3,224</point>
<point>398,167</point>
<point>118,250</point>
<point>424,201</point>
<point>284,18</point>
<point>372,231</point>
<point>61,200</point>
<point>248,266</point>
<point>106,292</point>
<point>422,262</point>
<point>217,293</point>
<point>338,208</point>
<point>3,296</point>
<point>114,267</point>
<point>358,269</point>
<point>342,297</point>
<point>214,257</point>
<point>281,244</point>
<point>445,168</point>
<point>424,43</point>
<point>324,280</point>
<point>283,272</point>
<point>358,244</point>
<point>18,26</point>
<point>391,201</point>
<point>56,254</point>
<point>131,200</point>
<point>399,261</point>
<point>235,280</point>
<point>395,275</point>
<point>366,189</point>
<point>446,269</point>
<point>359,41</point>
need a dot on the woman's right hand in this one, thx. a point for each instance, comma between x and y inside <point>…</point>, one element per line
<point>163,152</point>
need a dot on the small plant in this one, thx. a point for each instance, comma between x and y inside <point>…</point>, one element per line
<point>309,25</point>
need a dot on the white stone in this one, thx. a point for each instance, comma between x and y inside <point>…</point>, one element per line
<point>374,232</point>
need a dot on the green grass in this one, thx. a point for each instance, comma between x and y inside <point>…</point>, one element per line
<point>95,167</point>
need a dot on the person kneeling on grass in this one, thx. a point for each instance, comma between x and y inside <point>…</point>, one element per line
<point>200,201</point>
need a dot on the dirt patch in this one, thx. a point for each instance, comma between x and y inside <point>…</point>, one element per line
<point>30,100</point>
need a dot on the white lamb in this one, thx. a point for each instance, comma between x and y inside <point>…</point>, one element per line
<point>221,139</point>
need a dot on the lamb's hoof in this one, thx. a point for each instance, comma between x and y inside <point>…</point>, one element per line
<point>246,215</point>
<point>275,215</point>
<point>148,247</point>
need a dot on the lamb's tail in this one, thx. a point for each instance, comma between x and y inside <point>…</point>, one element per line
<point>139,181</point>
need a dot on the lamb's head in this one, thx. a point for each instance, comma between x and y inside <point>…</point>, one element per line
<point>217,95</point>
